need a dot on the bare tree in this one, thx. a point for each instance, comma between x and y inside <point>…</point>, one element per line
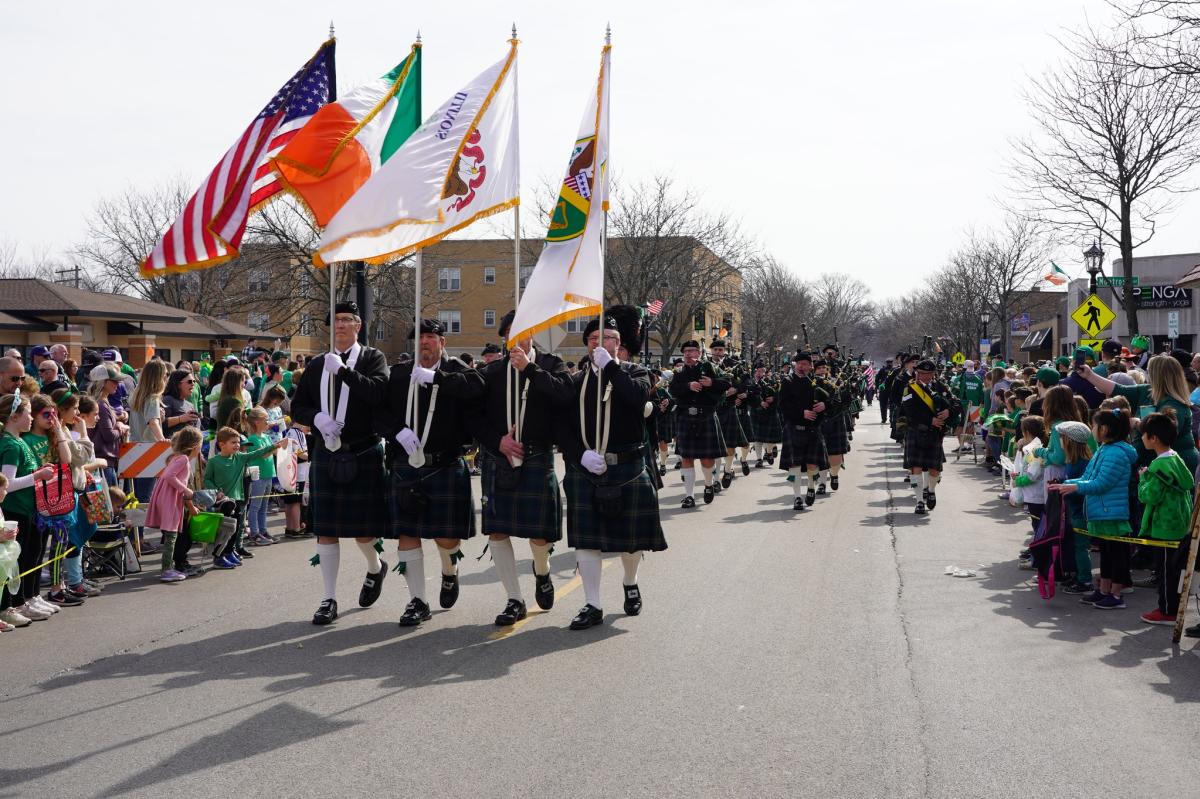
<point>1164,34</point>
<point>843,301</point>
<point>774,302</point>
<point>1113,143</point>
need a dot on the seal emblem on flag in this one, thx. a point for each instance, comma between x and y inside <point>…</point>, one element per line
<point>571,212</point>
<point>467,174</point>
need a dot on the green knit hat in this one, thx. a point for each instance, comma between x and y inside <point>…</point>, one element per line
<point>1141,342</point>
<point>1088,352</point>
<point>1047,376</point>
<point>1062,360</point>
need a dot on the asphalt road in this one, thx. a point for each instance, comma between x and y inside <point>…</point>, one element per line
<point>821,654</point>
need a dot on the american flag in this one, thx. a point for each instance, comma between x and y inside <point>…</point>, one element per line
<point>869,373</point>
<point>654,307</point>
<point>209,229</point>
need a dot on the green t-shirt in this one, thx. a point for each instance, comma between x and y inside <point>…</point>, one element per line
<point>225,473</point>
<point>265,463</point>
<point>970,388</point>
<point>15,452</point>
<point>39,445</point>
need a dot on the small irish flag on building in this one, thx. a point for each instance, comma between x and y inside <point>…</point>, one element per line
<point>1056,275</point>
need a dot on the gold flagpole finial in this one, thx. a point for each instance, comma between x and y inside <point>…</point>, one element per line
<point>418,36</point>
<point>330,29</point>
<point>608,34</point>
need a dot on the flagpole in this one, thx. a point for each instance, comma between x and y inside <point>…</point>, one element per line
<point>417,307</point>
<point>603,243</point>
<point>517,207</point>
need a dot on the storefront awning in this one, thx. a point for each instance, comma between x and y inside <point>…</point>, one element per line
<point>1036,340</point>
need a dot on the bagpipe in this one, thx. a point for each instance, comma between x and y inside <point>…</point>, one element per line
<point>821,390</point>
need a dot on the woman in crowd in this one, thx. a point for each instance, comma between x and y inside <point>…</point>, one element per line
<point>179,410</point>
<point>109,431</point>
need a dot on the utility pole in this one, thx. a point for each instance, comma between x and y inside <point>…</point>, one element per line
<point>70,270</point>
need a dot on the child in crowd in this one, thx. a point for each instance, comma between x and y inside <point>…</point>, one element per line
<point>85,467</point>
<point>293,526</point>
<point>50,444</point>
<point>22,468</point>
<point>1165,488</point>
<point>1105,489</point>
<point>1029,472</point>
<point>171,496</point>
<point>10,549</point>
<point>1066,456</point>
<point>262,473</point>
<point>272,403</point>
<point>224,473</point>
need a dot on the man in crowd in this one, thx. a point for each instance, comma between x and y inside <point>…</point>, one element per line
<point>343,399</point>
<point>37,354</point>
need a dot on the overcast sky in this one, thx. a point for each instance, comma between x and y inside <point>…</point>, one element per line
<point>863,137</point>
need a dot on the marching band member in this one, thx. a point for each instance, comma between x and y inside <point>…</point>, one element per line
<point>696,389</point>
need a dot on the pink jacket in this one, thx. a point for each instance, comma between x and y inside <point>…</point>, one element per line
<point>166,501</point>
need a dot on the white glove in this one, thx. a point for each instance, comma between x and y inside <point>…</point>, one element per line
<point>408,439</point>
<point>329,427</point>
<point>601,357</point>
<point>422,376</point>
<point>333,363</point>
<point>593,461</point>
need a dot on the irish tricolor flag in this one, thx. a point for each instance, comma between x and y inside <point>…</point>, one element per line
<point>349,140</point>
<point>1056,275</point>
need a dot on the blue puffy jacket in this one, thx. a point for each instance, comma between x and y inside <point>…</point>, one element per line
<point>1105,482</point>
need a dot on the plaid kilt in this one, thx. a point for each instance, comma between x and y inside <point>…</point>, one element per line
<point>836,434</point>
<point>450,510</point>
<point>767,427</point>
<point>802,447</point>
<point>923,449</point>
<point>746,420</point>
<point>531,510</point>
<point>698,436</point>
<point>353,510</point>
<point>731,427</point>
<point>637,529</point>
<point>666,426</point>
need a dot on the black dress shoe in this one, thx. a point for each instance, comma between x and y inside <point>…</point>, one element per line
<point>588,616</point>
<point>798,504</point>
<point>415,612</point>
<point>326,613</point>
<point>821,489</point>
<point>709,493</point>
<point>372,586</point>
<point>662,471</point>
<point>810,497</point>
<point>920,509</point>
<point>745,469</point>
<point>449,594</point>
<point>930,500</point>
<point>758,464</point>
<point>833,482</point>
<point>678,465</point>
<point>716,486</point>
<point>244,553</point>
<point>633,600</point>
<point>543,591</point>
<point>726,479</point>
<point>689,502</point>
<point>513,612</point>
<point>1193,631</point>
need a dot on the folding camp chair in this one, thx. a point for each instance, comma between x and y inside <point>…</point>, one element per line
<point>105,553</point>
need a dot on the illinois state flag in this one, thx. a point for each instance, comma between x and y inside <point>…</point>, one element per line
<point>459,166</point>
<point>568,280</point>
<point>348,140</point>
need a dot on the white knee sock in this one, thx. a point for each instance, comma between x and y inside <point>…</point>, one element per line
<point>745,453</point>
<point>662,457</point>
<point>834,468</point>
<point>812,479</point>
<point>331,559</point>
<point>372,556</point>
<point>689,481</point>
<point>916,487</point>
<point>589,572</point>
<point>414,571</point>
<point>933,480</point>
<point>824,476</point>
<point>729,463</point>
<point>506,567</point>
<point>631,561</point>
<point>798,484</point>
<point>541,557</point>
<point>449,567</point>
<point>707,472</point>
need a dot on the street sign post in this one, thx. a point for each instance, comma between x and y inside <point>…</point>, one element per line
<point>959,358</point>
<point>1093,316</point>
<point>1116,281</point>
<point>1173,325</point>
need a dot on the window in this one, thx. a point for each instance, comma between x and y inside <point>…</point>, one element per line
<point>526,271</point>
<point>489,275</point>
<point>449,278</point>
<point>258,320</point>
<point>195,355</point>
<point>489,318</point>
<point>383,330</point>
<point>451,320</point>
<point>698,320</point>
<point>163,354</point>
<point>308,326</point>
<point>727,323</point>
<point>304,282</point>
<point>259,280</point>
<point>578,324</point>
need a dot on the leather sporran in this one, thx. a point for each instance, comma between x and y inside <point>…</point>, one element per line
<point>608,501</point>
<point>343,467</point>
<point>508,477</point>
<point>410,497</point>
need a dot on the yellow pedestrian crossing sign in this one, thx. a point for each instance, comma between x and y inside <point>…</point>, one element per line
<point>959,358</point>
<point>1093,315</point>
<point>1094,343</point>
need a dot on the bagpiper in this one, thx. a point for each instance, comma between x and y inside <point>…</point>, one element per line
<point>432,401</point>
<point>697,387</point>
<point>927,409</point>
<point>801,403</point>
<point>768,432</point>
<point>611,504</point>
<point>732,434</point>
<point>526,390</point>
<point>347,482</point>
<point>833,428</point>
<point>664,418</point>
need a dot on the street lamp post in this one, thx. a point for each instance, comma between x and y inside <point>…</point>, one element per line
<point>984,318</point>
<point>1093,259</point>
